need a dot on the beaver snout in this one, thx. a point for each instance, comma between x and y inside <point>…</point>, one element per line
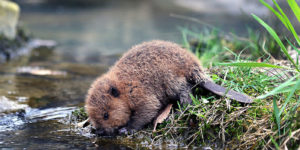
<point>99,132</point>
<point>104,132</point>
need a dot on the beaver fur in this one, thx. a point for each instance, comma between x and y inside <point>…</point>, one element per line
<point>145,79</point>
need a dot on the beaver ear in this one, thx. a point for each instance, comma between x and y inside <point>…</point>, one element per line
<point>114,92</point>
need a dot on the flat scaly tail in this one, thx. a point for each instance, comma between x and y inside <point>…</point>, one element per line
<point>222,91</point>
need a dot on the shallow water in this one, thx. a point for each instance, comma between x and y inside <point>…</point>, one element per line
<point>38,91</point>
<point>37,99</point>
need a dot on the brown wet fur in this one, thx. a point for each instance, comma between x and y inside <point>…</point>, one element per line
<point>145,79</point>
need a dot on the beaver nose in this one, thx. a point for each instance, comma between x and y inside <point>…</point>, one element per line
<point>99,132</point>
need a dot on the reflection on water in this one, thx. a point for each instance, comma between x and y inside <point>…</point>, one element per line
<point>39,71</point>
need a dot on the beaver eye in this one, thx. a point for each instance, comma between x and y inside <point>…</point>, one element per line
<point>105,116</point>
<point>114,92</point>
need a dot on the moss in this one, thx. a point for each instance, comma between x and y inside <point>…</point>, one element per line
<point>80,114</point>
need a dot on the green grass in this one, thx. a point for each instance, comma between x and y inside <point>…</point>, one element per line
<point>245,64</point>
<point>271,121</point>
<point>225,123</point>
<point>213,46</point>
<point>215,119</point>
<point>80,114</point>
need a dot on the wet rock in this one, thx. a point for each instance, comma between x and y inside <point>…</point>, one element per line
<point>14,41</point>
<point>10,49</point>
<point>9,15</point>
<point>7,105</point>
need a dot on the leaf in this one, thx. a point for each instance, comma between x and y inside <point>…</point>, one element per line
<point>162,116</point>
<point>250,64</point>
<point>277,39</point>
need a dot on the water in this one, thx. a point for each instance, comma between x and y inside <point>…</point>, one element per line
<point>38,91</point>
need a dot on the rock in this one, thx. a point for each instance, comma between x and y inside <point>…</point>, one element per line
<point>9,15</point>
<point>10,49</point>
<point>8,105</point>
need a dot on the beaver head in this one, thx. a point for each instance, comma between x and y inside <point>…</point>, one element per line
<point>107,106</point>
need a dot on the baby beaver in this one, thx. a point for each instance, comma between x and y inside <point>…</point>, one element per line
<point>144,81</point>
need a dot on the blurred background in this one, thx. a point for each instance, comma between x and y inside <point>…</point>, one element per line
<point>86,30</point>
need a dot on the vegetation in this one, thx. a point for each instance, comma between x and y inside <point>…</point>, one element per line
<point>264,69</point>
<point>79,115</point>
<point>272,121</point>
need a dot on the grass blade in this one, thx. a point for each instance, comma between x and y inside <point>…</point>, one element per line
<point>275,12</point>
<point>277,39</point>
<point>293,46</point>
<point>296,87</point>
<point>276,114</point>
<point>296,49</point>
<point>294,6</point>
<point>195,100</point>
<point>250,64</point>
<point>283,18</point>
<point>186,44</point>
<point>279,88</point>
<point>275,143</point>
<point>288,23</point>
<point>292,111</point>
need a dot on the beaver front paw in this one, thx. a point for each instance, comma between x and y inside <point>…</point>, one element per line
<point>126,131</point>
